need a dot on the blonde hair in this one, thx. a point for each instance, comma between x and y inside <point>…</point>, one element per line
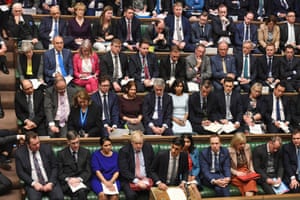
<point>237,139</point>
<point>79,5</point>
<point>86,44</point>
<point>137,136</point>
<point>82,94</point>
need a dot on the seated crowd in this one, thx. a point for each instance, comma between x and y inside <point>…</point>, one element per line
<point>135,168</point>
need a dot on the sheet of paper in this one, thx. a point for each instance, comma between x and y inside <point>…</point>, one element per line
<point>175,193</point>
<point>109,192</point>
<point>78,187</point>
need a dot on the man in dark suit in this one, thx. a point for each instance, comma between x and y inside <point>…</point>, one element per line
<point>74,167</point>
<point>201,107</point>
<point>215,165</point>
<point>222,26</point>
<point>268,163</point>
<point>172,67</point>
<point>115,65</point>
<point>202,31</point>
<point>261,10</point>
<point>222,65</point>
<point>5,182</point>
<point>282,7</point>
<point>143,66</point>
<point>129,29</point>
<point>237,8</point>
<point>129,157</point>
<point>57,61</point>
<point>246,67</point>
<point>228,105</point>
<point>179,29</point>
<point>22,26</point>
<point>245,31</point>
<point>108,100</point>
<point>291,162</point>
<point>29,107</point>
<point>289,32</point>
<point>277,112</point>
<point>290,69</point>
<point>45,5</point>
<point>268,68</point>
<point>158,35</point>
<point>3,61</point>
<point>170,167</point>
<point>295,112</point>
<point>52,26</point>
<point>157,110</point>
<point>165,7</point>
<point>57,105</point>
<point>37,167</point>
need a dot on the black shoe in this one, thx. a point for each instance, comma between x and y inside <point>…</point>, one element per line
<point>5,166</point>
<point>1,113</point>
<point>4,69</point>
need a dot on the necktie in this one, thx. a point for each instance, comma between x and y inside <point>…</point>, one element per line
<point>157,8</point>
<point>116,71</point>
<point>217,164</point>
<point>105,107</point>
<point>29,67</point>
<point>159,111</point>
<point>204,105</point>
<point>201,32</point>
<point>74,155</point>
<point>172,69</point>
<point>61,64</point>
<point>270,67</point>
<point>55,28</point>
<point>178,30</point>
<point>278,118</point>
<point>129,30</point>
<point>228,114</point>
<point>38,169</point>
<point>137,165</point>
<point>224,66</point>
<point>260,8</point>
<point>247,35</point>
<point>298,157</point>
<point>246,68</point>
<point>173,172</point>
<point>284,4</point>
<point>63,114</point>
<point>146,69</point>
<point>30,107</point>
<point>53,2</point>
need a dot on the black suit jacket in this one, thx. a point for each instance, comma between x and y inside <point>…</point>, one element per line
<point>196,33</point>
<point>260,162</point>
<point>135,66</point>
<point>135,30</point>
<point>21,107</point>
<point>235,106</point>
<point>68,168</point>
<point>263,70</point>
<point>284,34</point>
<point>253,67</point>
<point>161,163</point>
<point>107,65</point>
<point>93,124</point>
<point>149,108</point>
<point>290,161</point>
<point>217,29</point>
<point>37,66</point>
<point>26,30</point>
<point>295,112</point>
<point>165,69</point>
<point>46,27</point>
<point>286,70</point>
<point>151,34</point>
<point>127,162</point>
<point>268,108</point>
<point>268,6</point>
<point>24,167</point>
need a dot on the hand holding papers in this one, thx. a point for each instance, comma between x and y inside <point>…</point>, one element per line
<point>110,191</point>
<point>219,128</point>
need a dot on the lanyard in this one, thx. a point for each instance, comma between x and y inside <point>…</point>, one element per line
<point>83,117</point>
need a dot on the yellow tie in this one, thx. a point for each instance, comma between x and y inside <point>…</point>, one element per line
<point>224,65</point>
<point>29,67</point>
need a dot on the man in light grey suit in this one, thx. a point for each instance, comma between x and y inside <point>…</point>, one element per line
<point>198,65</point>
<point>57,106</point>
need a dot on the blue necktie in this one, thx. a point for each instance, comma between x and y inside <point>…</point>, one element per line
<point>157,7</point>
<point>246,68</point>
<point>61,65</point>
<point>105,107</point>
<point>278,118</point>
<point>55,28</point>
<point>217,164</point>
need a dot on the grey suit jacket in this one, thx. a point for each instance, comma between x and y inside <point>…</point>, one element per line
<point>205,67</point>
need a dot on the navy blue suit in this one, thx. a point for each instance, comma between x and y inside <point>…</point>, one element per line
<point>263,69</point>
<point>290,164</point>
<point>50,64</point>
<point>278,8</point>
<point>239,35</point>
<point>186,29</point>
<point>268,7</point>
<point>149,108</point>
<point>224,166</point>
<point>135,30</point>
<point>135,68</point>
<point>46,27</point>
<point>196,33</point>
<point>113,108</point>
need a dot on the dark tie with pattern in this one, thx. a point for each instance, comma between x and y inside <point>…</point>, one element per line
<point>38,169</point>
<point>105,107</point>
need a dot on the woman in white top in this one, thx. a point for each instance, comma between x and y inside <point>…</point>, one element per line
<point>180,121</point>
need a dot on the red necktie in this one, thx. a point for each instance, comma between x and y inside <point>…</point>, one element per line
<point>128,30</point>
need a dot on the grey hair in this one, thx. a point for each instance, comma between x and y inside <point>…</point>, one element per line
<point>159,82</point>
<point>26,47</point>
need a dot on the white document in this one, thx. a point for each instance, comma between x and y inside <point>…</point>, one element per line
<point>213,127</point>
<point>176,193</point>
<point>68,79</point>
<point>193,87</point>
<point>284,127</point>
<point>109,192</point>
<point>228,128</point>
<point>256,129</point>
<point>78,187</point>
<point>4,8</point>
<point>125,81</point>
<point>119,132</point>
<point>35,83</point>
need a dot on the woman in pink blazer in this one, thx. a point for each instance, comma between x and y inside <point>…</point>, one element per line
<point>86,67</point>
